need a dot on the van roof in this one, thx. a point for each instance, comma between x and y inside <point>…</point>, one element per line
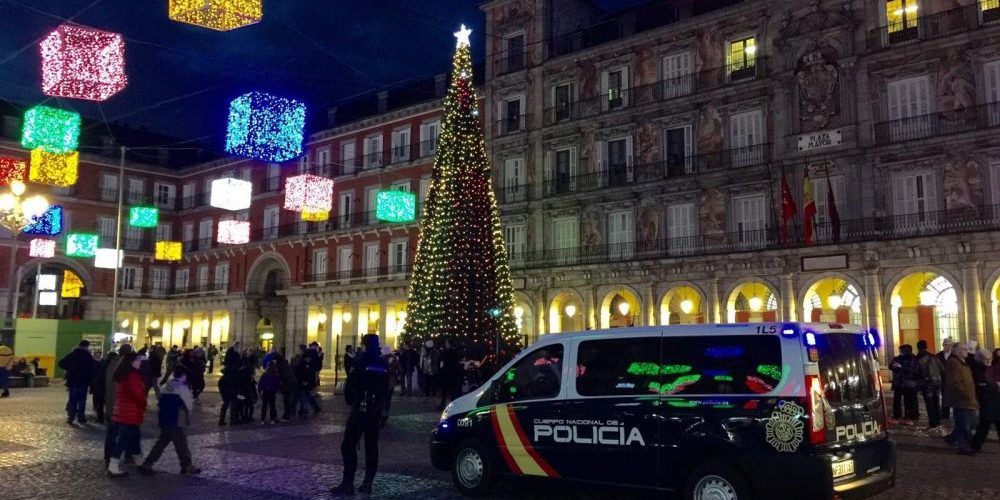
<point>700,330</point>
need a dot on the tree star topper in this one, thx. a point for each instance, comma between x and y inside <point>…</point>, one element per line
<point>463,36</point>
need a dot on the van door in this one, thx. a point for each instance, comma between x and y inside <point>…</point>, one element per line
<point>610,431</point>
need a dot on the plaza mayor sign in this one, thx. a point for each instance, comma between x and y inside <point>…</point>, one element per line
<point>820,140</point>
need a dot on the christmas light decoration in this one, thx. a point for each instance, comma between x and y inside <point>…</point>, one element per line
<point>71,285</point>
<point>220,15</point>
<point>12,169</point>
<point>53,130</point>
<point>105,258</point>
<point>49,223</point>
<point>47,281</point>
<point>308,193</point>
<point>83,63</point>
<point>42,248</point>
<point>461,274</point>
<point>315,216</point>
<point>231,194</point>
<point>233,232</point>
<point>396,206</point>
<point>54,169</point>
<point>145,217</point>
<point>81,245</point>
<point>169,250</point>
<point>47,298</point>
<point>265,127</point>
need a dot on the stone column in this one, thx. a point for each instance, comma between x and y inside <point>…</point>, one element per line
<point>590,306</point>
<point>650,307</point>
<point>383,322</point>
<point>876,314</point>
<point>790,311</point>
<point>329,348</point>
<point>541,309</point>
<point>972,303</point>
<point>353,329</point>
<point>714,305</point>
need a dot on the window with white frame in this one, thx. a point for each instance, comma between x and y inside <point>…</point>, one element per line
<point>165,194</point>
<point>821,194</point>
<point>512,109</point>
<point>371,259</point>
<point>565,236</point>
<point>901,16</point>
<point>206,190</point>
<point>682,227</point>
<point>746,138</point>
<point>222,276</point>
<point>346,208</point>
<point>991,78</point>
<point>373,151</point>
<point>164,231</point>
<point>677,77</point>
<point>909,108</point>
<point>188,195</point>
<point>303,166</point>
<point>741,59</point>
<point>616,161</point>
<point>109,187</point>
<point>517,245</point>
<point>203,282</point>
<point>750,219</point>
<point>398,257</point>
<point>401,144</point>
<point>273,182</point>
<point>621,238</point>
<point>562,101</point>
<point>322,162</point>
<point>425,187</point>
<point>615,87</point>
<point>371,200</point>
<point>205,227</point>
<point>160,279</point>
<point>514,189</point>
<point>429,133</point>
<point>561,170</point>
<point>345,261</point>
<point>182,280</point>
<point>915,199</point>
<point>514,51</point>
<point>133,238</point>
<point>678,150</point>
<point>188,233</point>
<point>348,154</point>
<point>131,279</point>
<point>271,221</point>
<point>107,227</point>
<point>319,261</point>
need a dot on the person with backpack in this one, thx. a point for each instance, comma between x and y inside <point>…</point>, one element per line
<point>930,376</point>
<point>175,405</point>
<point>366,392</point>
<point>904,387</point>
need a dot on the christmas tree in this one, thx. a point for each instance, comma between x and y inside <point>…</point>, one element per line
<point>461,288</point>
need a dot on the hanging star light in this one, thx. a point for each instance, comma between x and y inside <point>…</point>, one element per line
<point>71,285</point>
<point>220,15</point>
<point>231,194</point>
<point>233,232</point>
<point>54,130</point>
<point>81,245</point>
<point>396,206</point>
<point>105,258</point>
<point>265,127</point>
<point>169,250</point>
<point>54,169</point>
<point>145,217</point>
<point>83,63</point>
<point>315,216</point>
<point>12,169</point>
<point>49,223</point>
<point>308,193</point>
<point>42,248</point>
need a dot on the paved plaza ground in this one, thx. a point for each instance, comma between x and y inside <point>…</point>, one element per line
<point>42,457</point>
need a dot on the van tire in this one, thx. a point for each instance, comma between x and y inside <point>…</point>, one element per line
<point>472,470</point>
<point>721,480</point>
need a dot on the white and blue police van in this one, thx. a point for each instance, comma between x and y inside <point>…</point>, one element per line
<point>734,411</point>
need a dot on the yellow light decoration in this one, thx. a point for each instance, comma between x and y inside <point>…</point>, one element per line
<point>169,250</point>
<point>71,285</point>
<point>318,216</point>
<point>220,15</point>
<point>54,169</point>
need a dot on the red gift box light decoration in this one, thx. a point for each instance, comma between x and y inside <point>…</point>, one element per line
<point>308,193</point>
<point>83,63</point>
<point>12,169</point>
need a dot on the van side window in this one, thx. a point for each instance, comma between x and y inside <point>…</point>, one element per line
<point>725,364</point>
<point>618,367</point>
<point>536,376</point>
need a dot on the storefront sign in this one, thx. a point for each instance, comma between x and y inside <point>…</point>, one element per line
<point>820,140</point>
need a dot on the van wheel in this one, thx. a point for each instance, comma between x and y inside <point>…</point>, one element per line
<point>471,469</point>
<point>717,481</point>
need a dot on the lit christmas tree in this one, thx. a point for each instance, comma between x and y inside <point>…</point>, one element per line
<point>461,288</point>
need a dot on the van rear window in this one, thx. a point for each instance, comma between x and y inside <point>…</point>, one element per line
<point>674,366</point>
<point>847,368</point>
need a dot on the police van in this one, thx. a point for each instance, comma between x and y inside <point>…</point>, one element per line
<point>734,411</point>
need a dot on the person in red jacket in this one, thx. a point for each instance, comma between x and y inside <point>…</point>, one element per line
<point>130,408</point>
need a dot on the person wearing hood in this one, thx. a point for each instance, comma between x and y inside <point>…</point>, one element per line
<point>366,392</point>
<point>175,406</point>
<point>79,365</point>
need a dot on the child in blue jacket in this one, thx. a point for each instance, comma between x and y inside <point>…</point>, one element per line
<point>175,404</point>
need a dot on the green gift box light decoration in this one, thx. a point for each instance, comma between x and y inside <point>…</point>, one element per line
<point>81,245</point>
<point>50,129</point>
<point>146,217</point>
<point>396,206</point>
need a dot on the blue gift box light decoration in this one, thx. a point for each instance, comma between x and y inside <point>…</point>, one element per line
<point>48,224</point>
<point>265,127</point>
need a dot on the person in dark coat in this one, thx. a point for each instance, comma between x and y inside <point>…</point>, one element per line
<point>232,359</point>
<point>212,353</point>
<point>450,375</point>
<point>931,375</point>
<point>248,391</point>
<point>988,395</point>
<point>79,365</point>
<point>905,375</point>
<point>288,385</point>
<point>196,364</point>
<point>943,355</point>
<point>155,361</point>
<point>98,384</point>
<point>269,384</point>
<point>366,391</point>
<point>305,376</point>
<point>960,396</point>
<point>408,361</point>
<point>229,389</point>
<point>173,358</point>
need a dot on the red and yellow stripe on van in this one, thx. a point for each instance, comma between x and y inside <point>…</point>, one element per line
<point>517,451</point>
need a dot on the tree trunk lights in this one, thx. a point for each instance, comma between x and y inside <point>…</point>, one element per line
<point>462,288</point>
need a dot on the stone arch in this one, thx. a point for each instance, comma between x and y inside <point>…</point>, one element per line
<point>524,317</point>
<point>910,316</point>
<point>822,286</point>
<point>672,304</point>
<point>993,300</point>
<point>742,307</point>
<point>613,314</point>
<point>88,281</point>
<point>564,319</point>
<point>65,306</point>
<point>268,272</point>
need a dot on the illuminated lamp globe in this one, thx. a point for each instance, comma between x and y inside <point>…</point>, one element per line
<point>7,201</point>
<point>755,304</point>
<point>17,187</point>
<point>835,301</point>
<point>35,206</point>
<point>518,312</point>
<point>347,317</point>
<point>125,323</point>
<point>154,324</point>
<point>570,310</point>
<point>373,315</point>
<point>321,318</point>
<point>204,323</point>
<point>624,308</point>
<point>928,298</point>
<point>186,323</point>
<point>687,306</point>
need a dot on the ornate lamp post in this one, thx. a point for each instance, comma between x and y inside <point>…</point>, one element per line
<point>16,212</point>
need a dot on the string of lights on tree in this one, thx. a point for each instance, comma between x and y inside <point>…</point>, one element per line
<point>461,287</point>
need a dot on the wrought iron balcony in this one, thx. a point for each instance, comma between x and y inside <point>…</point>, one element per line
<point>937,25</point>
<point>940,123</point>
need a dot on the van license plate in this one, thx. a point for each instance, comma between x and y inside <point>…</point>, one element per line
<point>844,468</point>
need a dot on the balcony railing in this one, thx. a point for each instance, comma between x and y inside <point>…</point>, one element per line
<point>511,125</point>
<point>383,273</point>
<point>510,62</point>
<point>940,123</point>
<point>935,25</point>
<point>662,90</point>
<point>514,194</point>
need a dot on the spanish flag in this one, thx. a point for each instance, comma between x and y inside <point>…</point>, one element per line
<point>809,209</point>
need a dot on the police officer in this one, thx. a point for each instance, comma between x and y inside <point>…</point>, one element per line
<point>366,392</point>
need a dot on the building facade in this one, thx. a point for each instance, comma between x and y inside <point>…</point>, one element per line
<point>640,158</point>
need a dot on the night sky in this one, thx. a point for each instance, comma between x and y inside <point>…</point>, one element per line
<point>181,77</point>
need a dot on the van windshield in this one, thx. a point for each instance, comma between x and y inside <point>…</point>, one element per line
<point>847,367</point>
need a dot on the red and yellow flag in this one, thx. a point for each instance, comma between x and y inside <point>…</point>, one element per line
<point>809,211</point>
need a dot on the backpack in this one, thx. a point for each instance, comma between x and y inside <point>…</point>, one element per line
<point>931,370</point>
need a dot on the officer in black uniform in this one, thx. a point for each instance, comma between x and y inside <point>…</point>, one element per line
<point>366,391</point>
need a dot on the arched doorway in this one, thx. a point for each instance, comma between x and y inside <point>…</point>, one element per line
<point>265,334</point>
<point>925,307</point>
<point>268,275</point>
<point>832,300</point>
<point>620,309</point>
<point>995,310</point>
<point>566,313</point>
<point>51,290</point>
<point>524,319</point>
<point>682,305</point>
<point>752,302</point>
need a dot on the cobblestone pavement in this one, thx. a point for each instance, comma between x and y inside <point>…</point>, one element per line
<point>42,456</point>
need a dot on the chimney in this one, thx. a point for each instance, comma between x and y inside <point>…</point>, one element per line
<point>331,117</point>
<point>383,101</point>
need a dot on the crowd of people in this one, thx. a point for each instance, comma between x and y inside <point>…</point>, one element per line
<point>960,382</point>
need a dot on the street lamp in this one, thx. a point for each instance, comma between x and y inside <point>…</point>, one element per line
<point>16,212</point>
